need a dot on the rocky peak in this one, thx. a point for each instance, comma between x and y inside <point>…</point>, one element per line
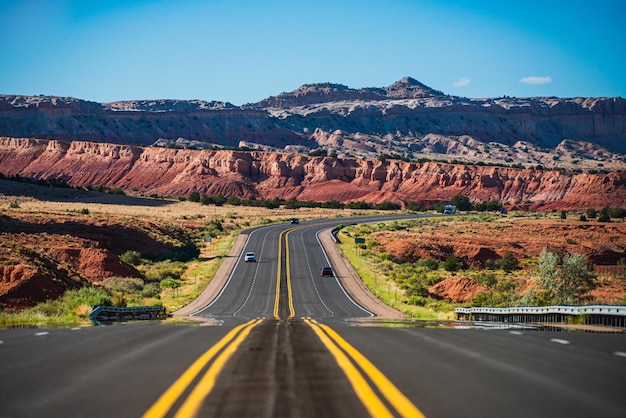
<point>408,88</point>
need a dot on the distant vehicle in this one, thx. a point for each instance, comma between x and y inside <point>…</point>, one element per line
<point>503,211</point>
<point>295,220</point>
<point>449,210</point>
<point>326,271</point>
<point>250,256</point>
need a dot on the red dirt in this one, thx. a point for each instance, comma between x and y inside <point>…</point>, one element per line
<point>42,256</point>
<point>457,289</point>
<point>474,243</point>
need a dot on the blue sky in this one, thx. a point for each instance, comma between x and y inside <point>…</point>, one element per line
<point>244,51</point>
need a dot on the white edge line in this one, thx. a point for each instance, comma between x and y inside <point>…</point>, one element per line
<point>559,341</point>
<point>371,314</point>
<point>230,276</point>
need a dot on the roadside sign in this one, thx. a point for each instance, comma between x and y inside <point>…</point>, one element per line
<point>359,240</point>
<point>208,239</point>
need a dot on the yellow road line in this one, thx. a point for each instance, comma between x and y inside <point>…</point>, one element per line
<point>277,295</point>
<point>194,401</point>
<point>292,311</point>
<point>366,394</point>
<point>162,406</point>
<point>394,396</point>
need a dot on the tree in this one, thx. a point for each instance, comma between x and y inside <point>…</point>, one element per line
<point>194,197</point>
<point>415,206</point>
<point>605,216</point>
<point>508,262</point>
<point>591,213</point>
<point>461,202</point>
<point>451,263</point>
<point>387,206</point>
<point>564,284</point>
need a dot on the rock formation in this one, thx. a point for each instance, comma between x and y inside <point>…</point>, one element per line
<point>178,172</point>
<point>406,119</point>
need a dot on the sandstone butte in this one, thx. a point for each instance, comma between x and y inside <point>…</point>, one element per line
<point>178,172</point>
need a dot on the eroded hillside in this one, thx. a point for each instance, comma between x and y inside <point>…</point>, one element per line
<point>406,119</point>
<point>174,172</point>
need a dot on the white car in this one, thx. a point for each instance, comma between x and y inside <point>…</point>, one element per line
<point>250,256</point>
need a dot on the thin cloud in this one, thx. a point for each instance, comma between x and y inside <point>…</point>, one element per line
<point>464,81</point>
<point>536,80</point>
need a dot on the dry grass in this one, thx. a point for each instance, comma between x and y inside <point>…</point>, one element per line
<point>171,210</point>
<point>32,201</point>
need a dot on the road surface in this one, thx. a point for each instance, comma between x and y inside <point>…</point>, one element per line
<point>281,341</point>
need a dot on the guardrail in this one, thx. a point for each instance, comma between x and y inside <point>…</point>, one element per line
<point>591,315</point>
<point>106,314</point>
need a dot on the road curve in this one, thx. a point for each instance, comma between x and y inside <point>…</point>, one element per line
<point>286,346</point>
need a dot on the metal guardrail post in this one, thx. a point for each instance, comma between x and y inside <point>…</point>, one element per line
<point>106,314</point>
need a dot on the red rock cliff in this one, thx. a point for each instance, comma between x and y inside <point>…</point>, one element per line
<point>172,172</point>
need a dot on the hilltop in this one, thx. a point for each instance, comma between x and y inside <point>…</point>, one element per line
<point>406,120</point>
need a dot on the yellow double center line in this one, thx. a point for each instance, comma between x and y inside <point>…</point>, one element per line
<point>356,366</point>
<point>292,311</point>
<point>226,347</point>
<point>347,358</point>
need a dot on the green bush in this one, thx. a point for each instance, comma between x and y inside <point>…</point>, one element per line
<point>418,300</point>
<point>131,257</point>
<point>151,290</point>
<point>591,213</point>
<point>67,304</point>
<point>451,263</point>
<point>486,279</point>
<point>123,284</point>
<point>508,262</point>
<point>161,270</point>
<point>428,263</point>
<point>194,197</point>
<point>461,202</point>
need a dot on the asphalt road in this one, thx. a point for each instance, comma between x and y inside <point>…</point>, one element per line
<point>287,346</point>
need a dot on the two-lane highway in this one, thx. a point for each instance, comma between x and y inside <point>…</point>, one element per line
<point>286,348</point>
<point>285,281</point>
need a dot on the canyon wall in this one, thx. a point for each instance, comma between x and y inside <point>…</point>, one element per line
<point>178,172</point>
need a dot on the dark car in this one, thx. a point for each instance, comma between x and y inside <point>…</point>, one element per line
<point>295,220</point>
<point>326,271</point>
